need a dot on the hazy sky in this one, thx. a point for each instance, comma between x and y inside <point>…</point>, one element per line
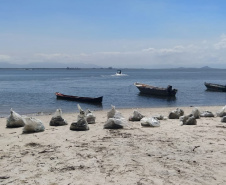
<point>117,33</point>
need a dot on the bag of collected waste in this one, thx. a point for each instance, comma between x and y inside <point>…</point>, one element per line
<point>176,113</point>
<point>117,122</point>
<point>206,114</point>
<point>223,120</point>
<point>33,125</point>
<point>160,117</point>
<point>196,113</point>
<point>81,124</point>
<point>14,120</point>
<point>113,123</point>
<point>57,119</point>
<point>90,117</point>
<point>111,113</point>
<point>150,122</point>
<point>188,120</point>
<point>222,112</point>
<point>137,116</point>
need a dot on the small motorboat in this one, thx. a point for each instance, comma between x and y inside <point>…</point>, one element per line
<point>78,98</point>
<point>215,87</point>
<point>119,73</point>
<point>157,91</point>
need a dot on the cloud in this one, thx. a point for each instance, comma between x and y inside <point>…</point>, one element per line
<point>192,54</point>
<point>222,43</point>
<point>53,56</point>
<point>5,58</point>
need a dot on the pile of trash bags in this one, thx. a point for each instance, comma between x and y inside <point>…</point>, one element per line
<point>29,124</point>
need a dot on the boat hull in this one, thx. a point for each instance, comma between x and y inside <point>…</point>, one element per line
<point>151,90</point>
<point>215,87</point>
<point>78,98</point>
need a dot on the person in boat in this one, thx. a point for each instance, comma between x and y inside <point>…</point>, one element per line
<point>169,89</point>
<point>119,72</point>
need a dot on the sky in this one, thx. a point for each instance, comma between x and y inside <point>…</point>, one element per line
<point>114,33</point>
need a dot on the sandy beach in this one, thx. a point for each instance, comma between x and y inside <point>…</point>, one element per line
<point>169,154</point>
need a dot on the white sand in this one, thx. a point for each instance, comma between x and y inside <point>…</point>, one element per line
<point>169,154</point>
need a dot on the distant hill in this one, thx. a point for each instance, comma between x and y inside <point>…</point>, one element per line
<point>48,65</point>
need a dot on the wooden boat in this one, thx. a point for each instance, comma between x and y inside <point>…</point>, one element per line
<point>215,87</point>
<point>78,98</point>
<point>157,91</point>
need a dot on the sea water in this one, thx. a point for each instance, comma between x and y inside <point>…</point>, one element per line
<point>31,91</point>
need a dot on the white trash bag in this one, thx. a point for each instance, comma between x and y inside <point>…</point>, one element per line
<point>111,113</point>
<point>206,114</point>
<point>57,119</point>
<point>14,120</point>
<point>90,117</point>
<point>81,124</point>
<point>222,112</point>
<point>137,116</point>
<point>175,114</point>
<point>188,120</point>
<point>150,122</point>
<point>196,112</point>
<point>33,125</point>
<point>115,122</point>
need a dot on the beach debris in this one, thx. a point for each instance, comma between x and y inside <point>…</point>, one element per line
<point>57,119</point>
<point>175,114</point>
<point>137,116</point>
<point>223,119</point>
<point>150,122</point>
<point>206,114</point>
<point>160,117</point>
<point>115,122</point>
<point>90,117</point>
<point>188,120</point>
<point>14,120</point>
<point>111,113</point>
<point>81,124</point>
<point>222,112</point>
<point>33,125</point>
<point>196,113</point>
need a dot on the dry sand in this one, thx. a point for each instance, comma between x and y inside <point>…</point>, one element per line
<point>169,154</point>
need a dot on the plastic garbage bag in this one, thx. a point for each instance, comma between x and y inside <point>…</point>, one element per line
<point>82,113</point>
<point>206,114</point>
<point>81,124</point>
<point>33,125</point>
<point>176,113</point>
<point>160,117</point>
<point>137,116</point>
<point>57,119</point>
<point>150,122</point>
<point>188,120</point>
<point>115,122</point>
<point>14,120</point>
<point>223,120</point>
<point>111,113</point>
<point>90,117</point>
<point>196,113</point>
<point>222,112</point>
